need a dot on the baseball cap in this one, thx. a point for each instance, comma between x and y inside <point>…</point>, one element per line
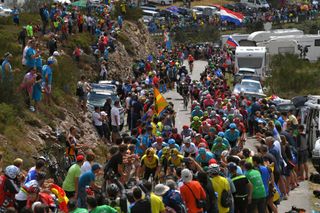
<point>95,167</point>
<point>186,175</point>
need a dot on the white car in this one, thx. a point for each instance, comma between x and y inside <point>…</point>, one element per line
<point>248,86</point>
<point>206,10</point>
<point>162,2</point>
<point>5,12</point>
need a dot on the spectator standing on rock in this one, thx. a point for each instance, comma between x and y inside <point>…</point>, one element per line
<point>22,37</point>
<point>15,13</point>
<point>115,121</point>
<point>31,55</point>
<point>6,68</point>
<point>52,45</point>
<point>29,29</point>
<point>97,121</point>
<point>27,86</point>
<point>47,74</point>
<point>83,88</point>
<point>37,92</point>
<point>44,14</point>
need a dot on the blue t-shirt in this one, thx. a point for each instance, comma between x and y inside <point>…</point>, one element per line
<point>30,62</point>
<point>47,74</point>
<point>32,175</point>
<point>265,174</point>
<point>85,179</point>
<point>232,137</point>
<point>209,156</point>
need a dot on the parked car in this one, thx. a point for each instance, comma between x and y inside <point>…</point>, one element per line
<point>244,72</point>
<point>104,88</point>
<point>5,12</point>
<point>249,87</point>
<point>99,98</point>
<point>162,2</point>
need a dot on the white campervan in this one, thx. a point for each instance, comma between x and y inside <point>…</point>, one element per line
<point>251,57</point>
<point>293,44</point>
<point>264,36</point>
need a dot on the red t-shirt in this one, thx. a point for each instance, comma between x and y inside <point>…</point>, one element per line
<point>189,197</point>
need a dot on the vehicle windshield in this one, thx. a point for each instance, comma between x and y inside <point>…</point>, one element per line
<point>95,99</point>
<point>253,63</point>
<point>252,85</point>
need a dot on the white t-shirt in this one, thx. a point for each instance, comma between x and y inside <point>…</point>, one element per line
<point>86,166</point>
<point>115,113</point>
<point>95,117</point>
<point>191,149</point>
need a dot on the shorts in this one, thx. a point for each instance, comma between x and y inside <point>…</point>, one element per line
<point>115,129</point>
<point>302,156</point>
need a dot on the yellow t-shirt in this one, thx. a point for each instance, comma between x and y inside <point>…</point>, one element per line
<point>151,164</point>
<point>219,184</point>
<point>154,128</point>
<point>156,203</point>
<point>176,162</point>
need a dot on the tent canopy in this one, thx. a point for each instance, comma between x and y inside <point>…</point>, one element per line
<point>81,3</point>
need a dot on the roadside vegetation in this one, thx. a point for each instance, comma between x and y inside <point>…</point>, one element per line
<point>292,76</point>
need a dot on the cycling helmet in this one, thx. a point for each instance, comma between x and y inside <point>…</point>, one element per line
<point>150,151</point>
<point>221,134</point>
<point>12,171</point>
<point>174,151</point>
<point>112,190</point>
<point>171,141</point>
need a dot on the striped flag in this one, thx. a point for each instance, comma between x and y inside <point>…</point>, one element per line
<point>231,42</point>
<point>160,102</point>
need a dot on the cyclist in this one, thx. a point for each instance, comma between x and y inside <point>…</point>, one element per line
<point>185,94</point>
<point>149,164</point>
<point>190,61</point>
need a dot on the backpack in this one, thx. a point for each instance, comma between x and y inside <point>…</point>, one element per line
<point>79,91</point>
<point>174,200</point>
<point>226,199</point>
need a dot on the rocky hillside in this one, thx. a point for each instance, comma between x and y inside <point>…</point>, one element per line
<point>23,133</point>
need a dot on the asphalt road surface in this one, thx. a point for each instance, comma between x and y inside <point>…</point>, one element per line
<point>299,197</point>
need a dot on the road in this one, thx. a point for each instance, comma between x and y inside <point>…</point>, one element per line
<point>299,197</point>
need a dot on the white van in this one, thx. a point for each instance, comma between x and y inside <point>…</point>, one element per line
<point>251,57</point>
<point>256,3</point>
<point>162,2</point>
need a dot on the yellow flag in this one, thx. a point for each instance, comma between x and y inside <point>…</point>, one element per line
<point>160,102</point>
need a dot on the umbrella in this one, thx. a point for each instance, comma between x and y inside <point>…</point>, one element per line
<point>173,9</point>
<point>81,3</point>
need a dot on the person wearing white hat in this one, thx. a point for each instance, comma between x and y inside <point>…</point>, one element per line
<point>192,192</point>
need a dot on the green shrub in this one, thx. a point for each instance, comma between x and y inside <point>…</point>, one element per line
<point>205,34</point>
<point>84,40</point>
<point>292,76</point>
<point>8,116</point>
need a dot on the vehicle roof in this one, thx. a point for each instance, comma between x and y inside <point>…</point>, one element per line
<point>251,49</point>
<point>250,80</point>
<point>295,37</point>
<point>150,11</point>
<point>253,35</point>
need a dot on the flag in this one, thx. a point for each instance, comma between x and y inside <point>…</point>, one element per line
<point>231,42</point>
<point>230,16</point>
<point>167,40</point>
<point>62,198</point>
<point>160,101</point>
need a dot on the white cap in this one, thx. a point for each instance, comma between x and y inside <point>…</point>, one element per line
<point>56,53</point>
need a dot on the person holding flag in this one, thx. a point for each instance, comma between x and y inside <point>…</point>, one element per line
<point>231,42</point>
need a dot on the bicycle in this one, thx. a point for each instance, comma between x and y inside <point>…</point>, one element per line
<point>191,66</point>
<point>185,101</point>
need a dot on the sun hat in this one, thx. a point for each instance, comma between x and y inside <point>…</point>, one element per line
<point>160,189</point>
<point>186,175</point>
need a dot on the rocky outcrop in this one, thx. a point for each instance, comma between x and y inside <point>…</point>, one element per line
<point>133,43</point>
